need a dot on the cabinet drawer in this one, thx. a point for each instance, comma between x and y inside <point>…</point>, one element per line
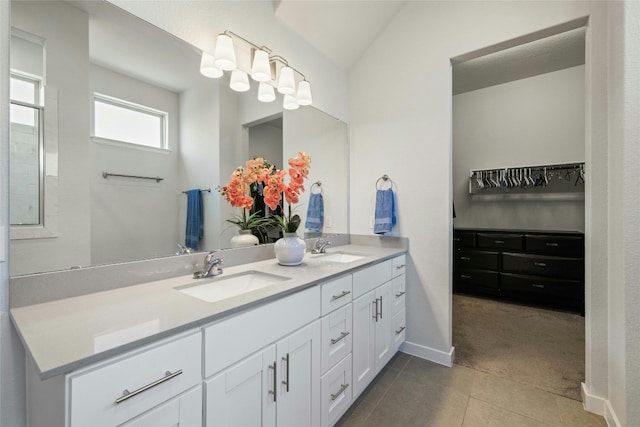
<point>542,265</point>
<point>476,278</point>
<point>398,294</point>
<point>464,239</point>
<point>93,392</point>
<point>336,293</point>
<point>398,265</point>
<point>337,335</point>
<point>567,246</point>
<point>336,392</point>
<point>542,286</point>
<point>370,278</point>
<point>501,241</point>
<point>399,328</point>
<point>482,260</point>
<point>235,337</point>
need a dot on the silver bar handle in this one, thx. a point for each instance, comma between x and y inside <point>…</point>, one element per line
<point>465,258</point>
<point>552,244</point>
<point>340,338</point>
<point>381,307</point>
<point>398,295</point>
<point>275,381</point>
<point>126,394</point>
<point>540,264</point>
<point>399,331</point>
<point>286,359</point>
<point>535,285</point>
<point>375,315</point>
<point>398,267</point>
<point>343,387</point>
<point>344,293</point>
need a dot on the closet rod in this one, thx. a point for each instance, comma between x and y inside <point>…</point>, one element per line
<point>106,175</point>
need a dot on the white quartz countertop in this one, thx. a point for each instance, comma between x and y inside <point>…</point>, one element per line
<point>64,335</point>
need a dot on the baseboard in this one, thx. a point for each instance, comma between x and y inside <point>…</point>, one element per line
<point>428,353</point>
<point>600,406</point>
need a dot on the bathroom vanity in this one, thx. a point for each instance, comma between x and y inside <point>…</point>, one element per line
<point>260,344</point>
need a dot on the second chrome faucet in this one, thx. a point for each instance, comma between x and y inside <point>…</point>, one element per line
<point>212,267</point>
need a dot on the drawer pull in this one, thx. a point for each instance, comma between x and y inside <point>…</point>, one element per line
<point>398,267</point>
<point>286,359</point>
<point>126,394</point>
<point>499,242</point>
<point>340,338</point>
<point>535,285</point>
<point>275,381</point>
<point>464,276</point>
<point>399,331</point>
<point>344,293</point>
<point>552,244</point>
<point>540,264</point>
<point>398,295</point>
<point>456,239</point>
<point>343,387</point>
<point>465,258</point>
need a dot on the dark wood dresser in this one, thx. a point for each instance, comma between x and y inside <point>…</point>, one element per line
<point>538,267</point>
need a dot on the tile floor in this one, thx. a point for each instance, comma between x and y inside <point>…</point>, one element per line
<point>414,392</point>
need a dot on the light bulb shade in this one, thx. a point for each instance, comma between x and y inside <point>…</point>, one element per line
<point>289,103</point>
<point>208,68</point>
<point>225,57</point>
<point>239,81</point>
<point>286,83</point>
<point>304,93</point>
<point>266,93</point>
<point>261,70</point>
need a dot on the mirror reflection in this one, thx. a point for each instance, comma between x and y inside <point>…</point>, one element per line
<point>131,101</point>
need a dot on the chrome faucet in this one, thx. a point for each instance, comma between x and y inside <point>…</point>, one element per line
<point>320,246</point>
<point>182,250</point>
<point>211,267</point>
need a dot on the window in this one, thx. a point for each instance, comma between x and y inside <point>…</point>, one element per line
<point>119,120</point>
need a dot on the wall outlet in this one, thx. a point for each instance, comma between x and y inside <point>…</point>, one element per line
<point>327,222</point>
<point>372,220</point>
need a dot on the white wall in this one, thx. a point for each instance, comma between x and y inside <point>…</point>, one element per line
<point>65,30</point>
<point>132,219</point>
<point>404,128</point>
<point>527,122</point>
<point>265,140</point>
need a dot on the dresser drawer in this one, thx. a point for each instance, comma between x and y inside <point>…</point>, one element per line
<point>371,277</point>
<point>476,278</point>
<point>336,293</point>
<point>337,335</point>
<point>482,260</point>
<point>398,292</point>
<point>501,241</point>
<point>567,246</point>
<point>464,239</point>
<point>335,392</point>
<point>96,394</point>
<point>542,265</point>
<point>542,285</point>
<point>398,328</point>
<point>398,265</point>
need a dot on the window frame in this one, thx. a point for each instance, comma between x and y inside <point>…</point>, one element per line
<point>122,103</point>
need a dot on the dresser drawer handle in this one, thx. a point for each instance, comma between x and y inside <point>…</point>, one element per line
<point>341,390</point>
<point>398,267</point>
<point>540,264</point>
<point>126,394</point>
<point>344,293</point>
<point>552,244</point>
<point>537,286</point>
<point>464,276</point>
<point>456,239</point>
<point>498,241</point>
<point>465,258</point>
<point>398,295</point>
<point>340,338</point>
<point>399,331</point>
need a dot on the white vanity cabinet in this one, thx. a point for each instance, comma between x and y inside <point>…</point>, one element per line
<point>398,291</point>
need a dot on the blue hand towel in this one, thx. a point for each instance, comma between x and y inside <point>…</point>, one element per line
<point>195,219</point>
<point>385,217</point>
<point>315,213</point>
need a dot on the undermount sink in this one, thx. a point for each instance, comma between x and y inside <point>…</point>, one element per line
<point>223,287</point>
<point>341,257</point>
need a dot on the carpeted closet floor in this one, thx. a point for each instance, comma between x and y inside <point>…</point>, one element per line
<point>533,346</point>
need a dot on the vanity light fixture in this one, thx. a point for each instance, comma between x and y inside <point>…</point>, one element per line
<point>271,71</point>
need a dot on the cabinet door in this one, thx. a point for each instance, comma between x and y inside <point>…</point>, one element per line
<point>364,310</point>
<point>184,411</point>
<point>244,394</point>
<point>383,340</point>
<point>298,358</point>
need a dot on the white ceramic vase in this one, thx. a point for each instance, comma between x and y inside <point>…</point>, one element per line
<point>290,249</point>
<point>243,239</point>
